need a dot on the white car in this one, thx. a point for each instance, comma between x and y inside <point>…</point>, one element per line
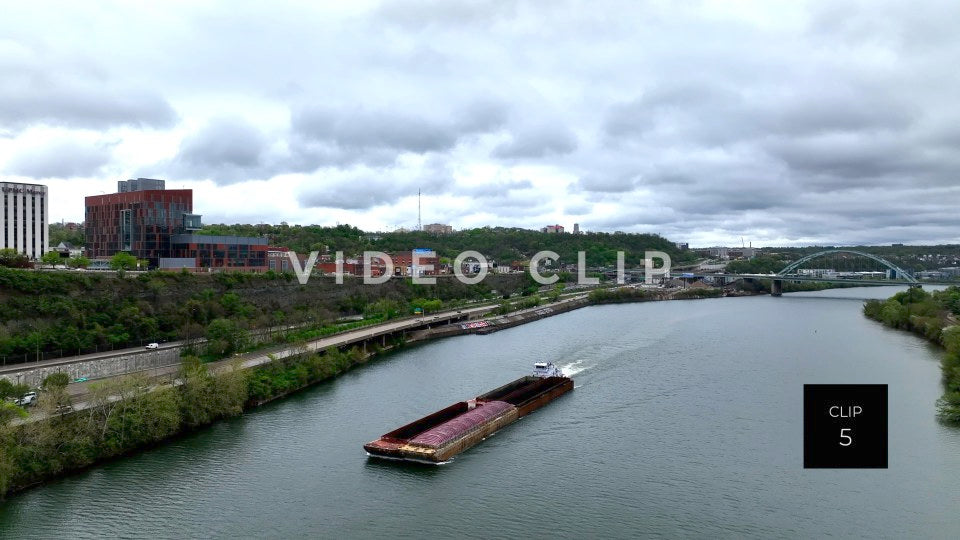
<point>153,345</point>
<point>27,399</point>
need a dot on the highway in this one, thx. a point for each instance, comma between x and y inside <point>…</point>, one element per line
<point>165,345</point>
<point>24,366</point>
<point>79,392</point>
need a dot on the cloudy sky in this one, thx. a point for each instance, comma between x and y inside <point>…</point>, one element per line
<point>781,123</point>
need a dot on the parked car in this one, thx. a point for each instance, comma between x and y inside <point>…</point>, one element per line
<point>153,345</point>
<point>61,409</point>
<point>27,399</point>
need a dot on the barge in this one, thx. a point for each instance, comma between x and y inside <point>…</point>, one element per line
<point>439,436</point>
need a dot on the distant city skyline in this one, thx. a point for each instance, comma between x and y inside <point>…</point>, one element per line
<point>781,123</point>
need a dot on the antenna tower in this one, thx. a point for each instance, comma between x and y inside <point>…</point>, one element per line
<point>419,221</point>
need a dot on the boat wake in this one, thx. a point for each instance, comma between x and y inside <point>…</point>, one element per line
<point>573,368</point>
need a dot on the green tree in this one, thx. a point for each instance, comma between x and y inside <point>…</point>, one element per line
<point>9,411</point>
<point>207,396</point>
<point>59,233</point>
<point>78,262</point>
<point>58,380</point>
<point>950,337</point>
<point>8,390</point>
<point>123,261</point>
<point>426,305</point>
<point>224,337</point>
<point>12,258</point>
<point>51,258</point>
<point>757,265</point>
<point>387,308</point>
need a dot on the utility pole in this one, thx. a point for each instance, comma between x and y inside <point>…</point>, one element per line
<point>419,221</point>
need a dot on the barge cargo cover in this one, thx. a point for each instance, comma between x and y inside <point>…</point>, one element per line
<point>439,436</point>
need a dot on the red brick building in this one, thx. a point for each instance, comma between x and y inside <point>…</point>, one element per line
<point>351,267</point>
<point>245,253</point>
<point>426,266</point>
<point>157,225</point>
<point>138,222</point>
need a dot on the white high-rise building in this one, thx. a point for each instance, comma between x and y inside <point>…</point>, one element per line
<point>24,218</point>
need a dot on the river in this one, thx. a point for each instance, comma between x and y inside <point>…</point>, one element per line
<point>686,421</point>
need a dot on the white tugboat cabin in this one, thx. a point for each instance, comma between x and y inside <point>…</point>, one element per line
<point>546,369</point>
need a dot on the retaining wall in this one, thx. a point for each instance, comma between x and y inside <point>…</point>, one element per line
<point>98,368</point>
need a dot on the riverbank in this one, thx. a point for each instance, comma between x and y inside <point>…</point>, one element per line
<point>932,316</point>
<point>127,415</point>
<point>646,373</point>
<point>596,297</point>
<point>52,315</point>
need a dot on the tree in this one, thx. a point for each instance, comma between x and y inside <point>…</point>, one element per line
<point>207,396</point>
<point>78,262</point>
<point>758,265</point>
<point>9,411</point>
<point>386,307</point>
<point>54,393</point>
<point>123,261</point>
<point>51,258</point>
<point>225,337</point>
<point>10,390</point>
<point>59,233</point>
<point>58,380</point>
<point>426,305</point>
<point>12,258</point>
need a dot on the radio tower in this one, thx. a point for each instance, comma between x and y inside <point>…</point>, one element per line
<point>419,221</point>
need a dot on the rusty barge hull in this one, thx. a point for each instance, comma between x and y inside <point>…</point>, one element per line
<point>438,437</point>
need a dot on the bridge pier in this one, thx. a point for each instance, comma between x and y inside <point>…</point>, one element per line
<point>776,287</point>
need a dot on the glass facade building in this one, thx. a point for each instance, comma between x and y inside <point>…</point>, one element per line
<point>138,222</point>
<point>140,184</point>
<point>157,225</point>
<point>221,252</point>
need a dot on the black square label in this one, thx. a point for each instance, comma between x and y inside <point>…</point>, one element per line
<point>845,426</point>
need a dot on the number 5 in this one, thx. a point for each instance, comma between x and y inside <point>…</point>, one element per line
<point>845,436</point>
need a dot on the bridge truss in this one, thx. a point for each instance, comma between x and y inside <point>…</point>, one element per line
<point>901,273</point>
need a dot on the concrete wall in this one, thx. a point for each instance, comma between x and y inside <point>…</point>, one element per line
<point>102,367</point>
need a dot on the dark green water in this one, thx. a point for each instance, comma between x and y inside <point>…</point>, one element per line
<point>686,421</point>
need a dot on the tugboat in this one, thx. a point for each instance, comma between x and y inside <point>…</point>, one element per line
<point>546,369</point>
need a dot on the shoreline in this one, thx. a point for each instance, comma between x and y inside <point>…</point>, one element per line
<point>527,315</point>
<point>327,366</point>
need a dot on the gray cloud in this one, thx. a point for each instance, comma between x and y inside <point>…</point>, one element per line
<point>576,209</point>
<point>227,150</point>
<point>419,13</point>
<point>364,188</point>
<point>323,135</point>
<point>356,193</point>
<point>538,142</point>
<point>494,189</point>
<point>61,158</point>
<point>71,96</point>
<point>788,122</point>
<point>601,183</point>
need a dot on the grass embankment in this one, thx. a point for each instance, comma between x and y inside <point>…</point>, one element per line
<point>46,315</point>
<point>933,316</point>
<point>33,452</point>
<point>631,294</point>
